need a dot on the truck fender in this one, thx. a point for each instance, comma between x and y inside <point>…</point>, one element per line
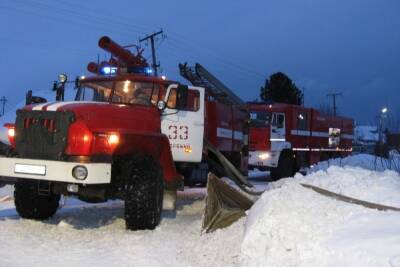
<point>154,144</point>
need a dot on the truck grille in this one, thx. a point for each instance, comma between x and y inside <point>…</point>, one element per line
<point>42,134</point>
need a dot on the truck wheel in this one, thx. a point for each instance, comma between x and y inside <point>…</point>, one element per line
<point>144,192</point>
<point>286,167</point>
<point>32,205</point>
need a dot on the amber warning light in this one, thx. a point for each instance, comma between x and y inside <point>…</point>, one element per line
<point>113,139</point>
<point>11,133</point>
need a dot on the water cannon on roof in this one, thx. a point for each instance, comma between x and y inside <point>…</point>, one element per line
<point>122,60</point>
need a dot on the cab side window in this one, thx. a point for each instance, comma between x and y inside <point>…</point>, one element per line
<point>278,120</point>
<point>193,100</point>
<point>192,103</point>
<point>280,123</point>
<point>154,95</point>
<point>171,102</point>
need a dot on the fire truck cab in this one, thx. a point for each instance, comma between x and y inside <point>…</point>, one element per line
<point>284,138</point>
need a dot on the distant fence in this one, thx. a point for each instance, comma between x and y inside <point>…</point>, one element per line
<point>387,157</point>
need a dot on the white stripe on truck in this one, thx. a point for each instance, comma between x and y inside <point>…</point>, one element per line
<point>317,134</point>
<point>227,133</point>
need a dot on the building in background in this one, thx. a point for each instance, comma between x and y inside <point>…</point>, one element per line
<point>365,138</point>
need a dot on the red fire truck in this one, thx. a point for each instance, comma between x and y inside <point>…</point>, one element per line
<point>128,135</point>
<point>285,138</point>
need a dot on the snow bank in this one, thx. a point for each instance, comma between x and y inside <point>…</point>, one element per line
<point>365,161</point>
<point>378,187</point>
<point>288,226</point>
<point>294,226</point>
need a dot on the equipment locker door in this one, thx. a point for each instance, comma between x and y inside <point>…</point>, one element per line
<point>184,127</point>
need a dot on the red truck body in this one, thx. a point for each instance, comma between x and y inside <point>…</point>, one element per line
<point>224,126</point>
<point>306,133</point>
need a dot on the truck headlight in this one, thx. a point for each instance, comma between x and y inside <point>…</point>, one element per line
<point>79,172</point>
<point>113,139</point>
<point>263,156</point>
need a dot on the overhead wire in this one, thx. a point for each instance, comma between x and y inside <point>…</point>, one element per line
<point>177,41</point>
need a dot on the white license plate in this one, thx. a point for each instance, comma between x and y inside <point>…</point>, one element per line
<point>30,169</point>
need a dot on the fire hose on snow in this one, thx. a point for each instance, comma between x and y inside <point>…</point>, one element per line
<point>226,204</point>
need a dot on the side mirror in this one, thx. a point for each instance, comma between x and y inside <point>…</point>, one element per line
<point>161,105</point>
<point>31,99</point>
<point>181,97</point>
<point>28,98</point>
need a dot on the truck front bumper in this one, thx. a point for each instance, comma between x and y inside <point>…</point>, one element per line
<point>264,158</point>
<point>55,171</point>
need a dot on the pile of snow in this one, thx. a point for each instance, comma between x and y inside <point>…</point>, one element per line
<point>294,226</point>
<point>379,187</point>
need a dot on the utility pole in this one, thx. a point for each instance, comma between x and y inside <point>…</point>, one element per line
<point>334,95</point>
<point>3,100</point>
<point>153,49</point>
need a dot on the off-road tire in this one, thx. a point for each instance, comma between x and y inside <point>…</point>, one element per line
<point>143,192</point>
<point>32,205</point>
<point>286,166</point>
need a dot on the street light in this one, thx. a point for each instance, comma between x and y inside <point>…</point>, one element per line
<point>384,110</point>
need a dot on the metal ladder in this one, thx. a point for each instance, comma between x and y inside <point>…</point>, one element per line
<point>199,76</point>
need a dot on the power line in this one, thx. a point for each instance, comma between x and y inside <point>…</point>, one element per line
<point>3,100</point>
<point>235,64</point>
<point>217,61</point>
<point>180,39</point>
<point>68,15</point>
<point>151,37</point>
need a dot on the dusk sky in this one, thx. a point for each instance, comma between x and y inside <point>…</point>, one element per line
<point>351,46</point>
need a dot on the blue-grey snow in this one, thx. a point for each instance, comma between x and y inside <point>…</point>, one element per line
<point>288,226</point>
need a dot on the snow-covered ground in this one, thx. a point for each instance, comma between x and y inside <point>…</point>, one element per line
<point>288,226</point>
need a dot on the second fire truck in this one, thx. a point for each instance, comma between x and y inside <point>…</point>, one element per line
<point>284,138</point>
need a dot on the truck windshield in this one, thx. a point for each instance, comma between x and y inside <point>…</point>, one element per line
<point>122,92</point>
<point>260,118</point>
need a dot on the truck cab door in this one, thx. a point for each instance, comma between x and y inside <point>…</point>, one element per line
<point>278,128</point>
<point>278,132</point>
<point>183,123</point>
